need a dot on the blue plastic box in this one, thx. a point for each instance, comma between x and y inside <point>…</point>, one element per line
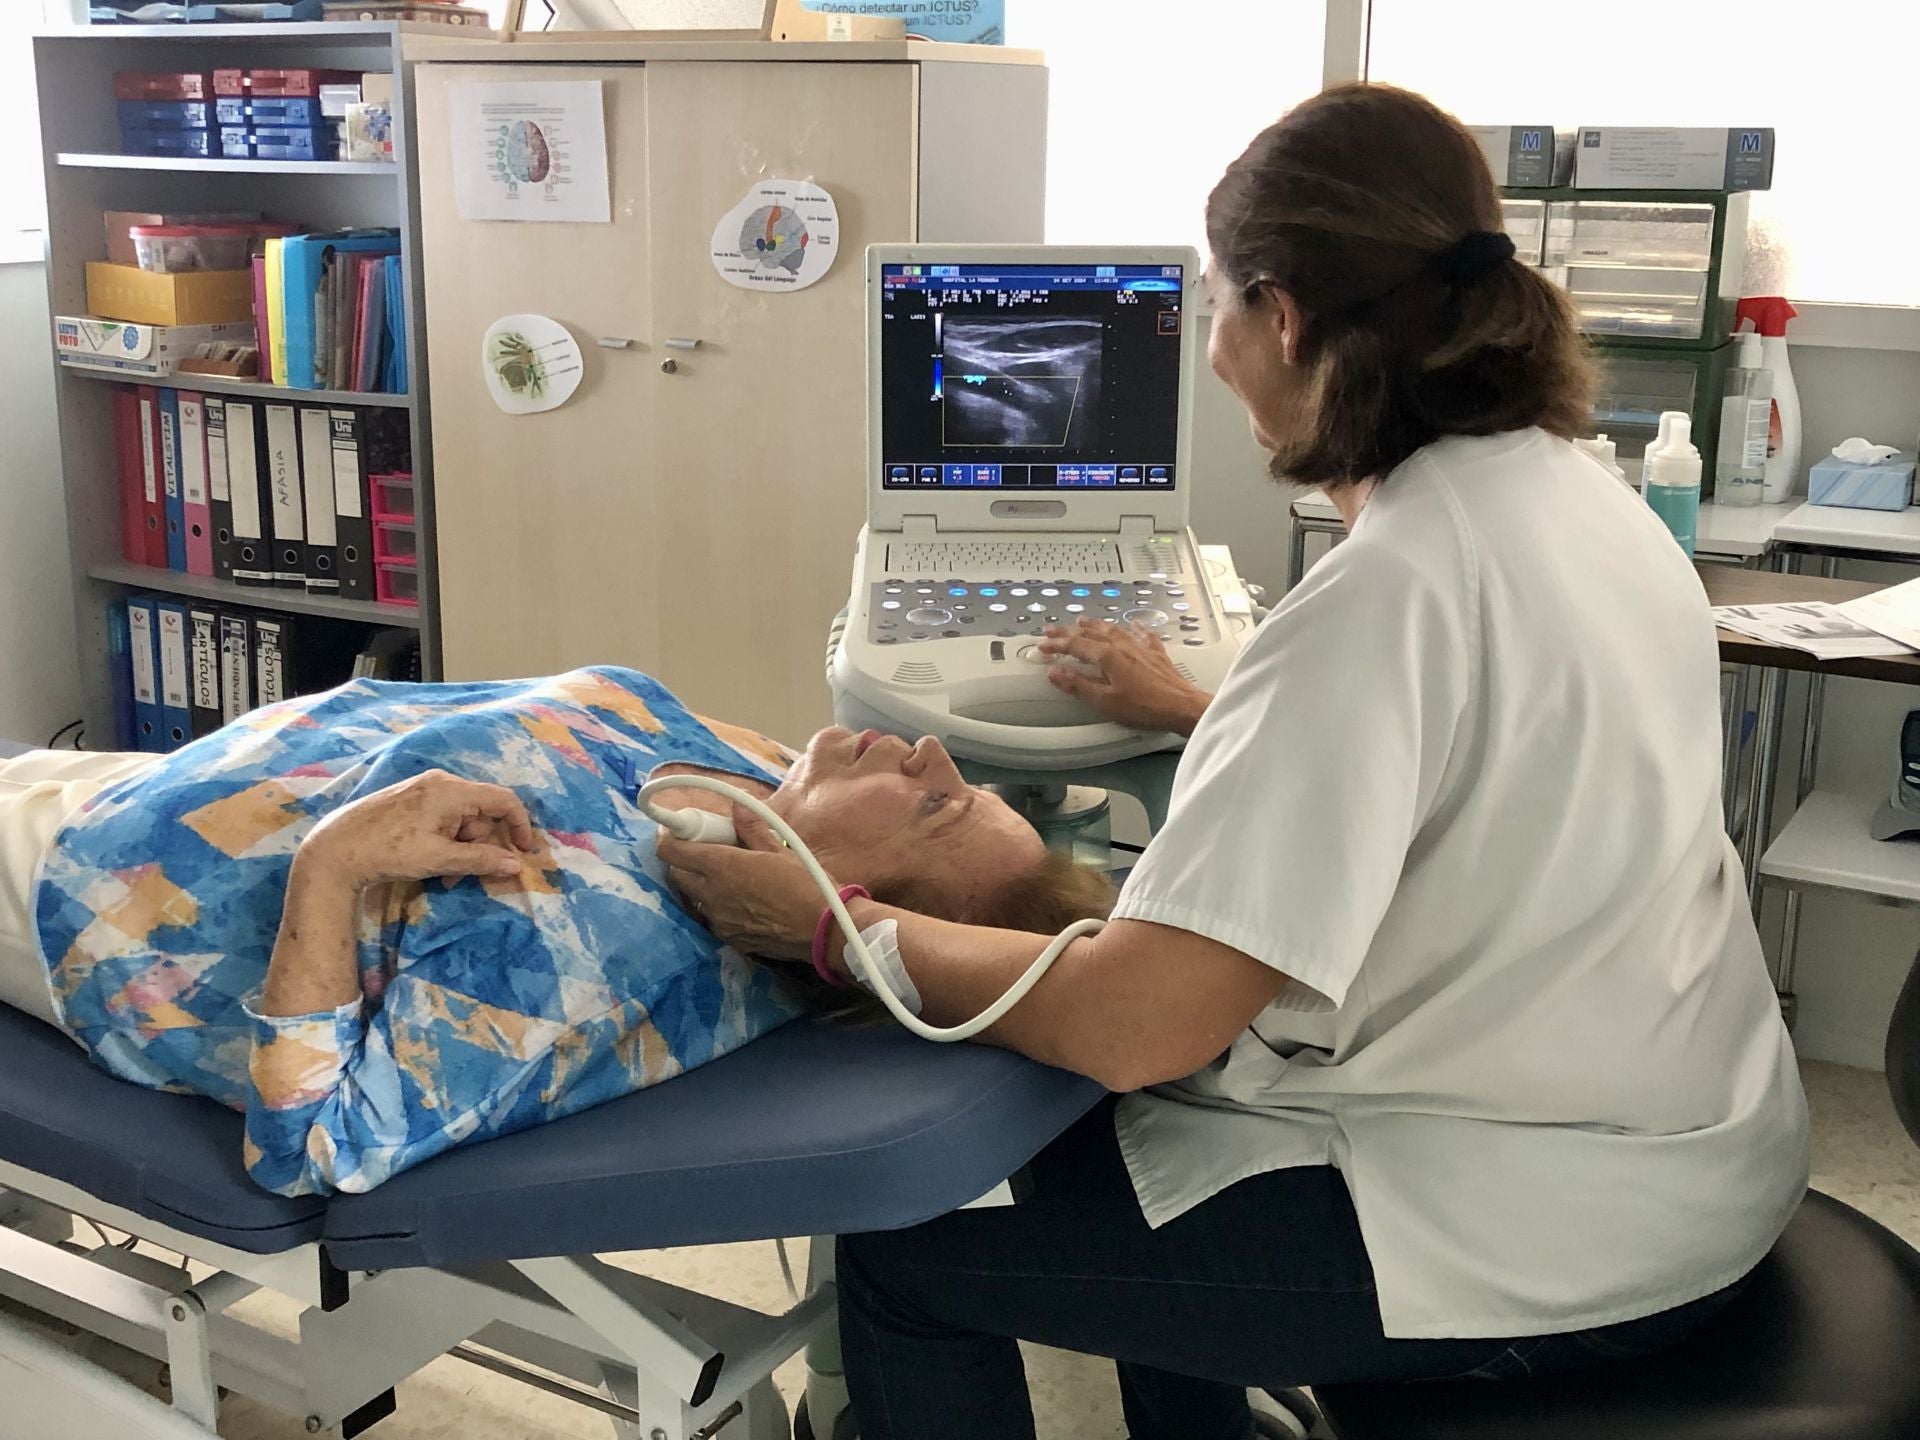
<point>292,142</point>
<point>232,110</point>
<point>195,143</point>
<point>236,142</point>
<point>299,111</point>
<point>1849,484</point>
<point>165,114</point>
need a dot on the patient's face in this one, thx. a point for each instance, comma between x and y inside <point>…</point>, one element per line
<point>875,810</point>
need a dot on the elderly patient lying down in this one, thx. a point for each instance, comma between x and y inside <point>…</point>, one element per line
<point>394,918</point>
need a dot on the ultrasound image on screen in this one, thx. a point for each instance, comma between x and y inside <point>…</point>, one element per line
<point>1027,381</point>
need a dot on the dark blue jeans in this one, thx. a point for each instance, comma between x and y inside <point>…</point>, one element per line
<point>1265,1285</point>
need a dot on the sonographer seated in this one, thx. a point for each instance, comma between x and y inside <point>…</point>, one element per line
<point>1447,1043</point>
<point>468,928</point>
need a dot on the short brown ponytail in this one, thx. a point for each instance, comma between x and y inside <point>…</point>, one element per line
<point>1364,204</point>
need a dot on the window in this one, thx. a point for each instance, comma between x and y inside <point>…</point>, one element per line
<point>1148,103</point>
<point>23,203</point>
<point>1846,191</point>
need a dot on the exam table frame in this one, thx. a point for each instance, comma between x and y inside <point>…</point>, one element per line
<point>378,1303</point>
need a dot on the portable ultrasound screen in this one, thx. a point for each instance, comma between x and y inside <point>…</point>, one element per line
<point>1048,376</point>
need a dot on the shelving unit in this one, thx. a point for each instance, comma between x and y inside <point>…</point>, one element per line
<point>78,160</point>
<point>85,176</point>
<point>1826,846</point>
<point>296,602</point>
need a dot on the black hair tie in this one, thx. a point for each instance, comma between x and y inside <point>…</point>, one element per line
<point>1473,256</point>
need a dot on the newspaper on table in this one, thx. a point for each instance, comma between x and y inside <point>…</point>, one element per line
<point>1827,632</point>
<point>1893,612</point>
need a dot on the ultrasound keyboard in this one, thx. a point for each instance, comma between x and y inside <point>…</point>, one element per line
<point>1092,559</point>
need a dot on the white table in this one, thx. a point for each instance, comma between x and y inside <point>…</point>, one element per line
<point>1856,534</point>
<point>1725,534</point>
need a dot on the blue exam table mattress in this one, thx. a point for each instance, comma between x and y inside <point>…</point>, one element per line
<point>822,1127</point>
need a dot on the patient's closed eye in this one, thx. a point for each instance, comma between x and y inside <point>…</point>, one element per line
<point>935,803</point>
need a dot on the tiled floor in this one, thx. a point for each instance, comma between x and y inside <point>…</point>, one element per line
<point>1861,1155</point>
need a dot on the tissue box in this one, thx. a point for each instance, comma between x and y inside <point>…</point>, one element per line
<point>1883,485</point>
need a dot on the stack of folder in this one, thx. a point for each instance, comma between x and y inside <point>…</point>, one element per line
<point>262,492</point>
<point>182,669</point>
<point>330,312</point>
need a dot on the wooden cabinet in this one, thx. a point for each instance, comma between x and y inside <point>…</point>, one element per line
<point>692,512</point>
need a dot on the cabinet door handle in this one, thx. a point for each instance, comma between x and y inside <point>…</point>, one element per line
<point>682,342</point>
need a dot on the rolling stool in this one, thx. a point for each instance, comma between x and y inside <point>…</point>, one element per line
<point>1823,1344</point>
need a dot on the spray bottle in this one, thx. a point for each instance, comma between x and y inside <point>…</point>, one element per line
<point>1770,314</point>
<point>1746,422</point>
<point>1670,477</point>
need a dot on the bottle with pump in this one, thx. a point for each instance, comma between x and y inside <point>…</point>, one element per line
<point>1746,417</point>
<point>1770,314</point>
<point>1602,449</point>
<point>1671,477</point>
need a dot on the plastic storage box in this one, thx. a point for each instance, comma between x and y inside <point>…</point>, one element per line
<point>165,114</point>
<point>151,85</point>
<point>171,249</point>
<point>196,144</point>
<point>392,497</point>
<point>1525,222</point>
<point>396,582</point>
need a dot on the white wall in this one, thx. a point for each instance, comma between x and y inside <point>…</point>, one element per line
<point>39,685</point>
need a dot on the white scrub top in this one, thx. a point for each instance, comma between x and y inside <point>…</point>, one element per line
<point>1463,787</point>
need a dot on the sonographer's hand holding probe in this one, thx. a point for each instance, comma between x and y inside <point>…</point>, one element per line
<point>1125,674</point>
<point>764,895</point>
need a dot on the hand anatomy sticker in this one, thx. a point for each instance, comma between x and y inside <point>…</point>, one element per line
<point>781,236</point>
<point>531,364</point>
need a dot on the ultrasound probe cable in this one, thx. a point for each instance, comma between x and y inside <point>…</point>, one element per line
<point>703,826</point>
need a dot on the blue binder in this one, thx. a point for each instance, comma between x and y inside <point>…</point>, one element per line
<point>396,326</point>
<point>170,456</point>
<point>126,729</point>
<point>302,265</point>
<point>170,637</point>
<point>144,647</point>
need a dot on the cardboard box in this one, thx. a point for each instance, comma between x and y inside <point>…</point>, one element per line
<point>193,297</point>
<point>1854,485</point>
<point>1525,155</point>
<point>1654,157</point>
<point>154,351</point>
<point>120,223</point>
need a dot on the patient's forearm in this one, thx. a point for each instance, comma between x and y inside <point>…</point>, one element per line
<point>314,967</point>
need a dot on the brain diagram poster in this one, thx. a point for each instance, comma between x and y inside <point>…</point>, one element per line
<point>530,150</point>
<point>782,235</point>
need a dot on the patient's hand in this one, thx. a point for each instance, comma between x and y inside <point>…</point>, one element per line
<point>433,824</point>
<point>1133,679</point>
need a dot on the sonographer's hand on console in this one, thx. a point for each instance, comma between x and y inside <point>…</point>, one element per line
<point>1126,674</point>
<point>756,896</point>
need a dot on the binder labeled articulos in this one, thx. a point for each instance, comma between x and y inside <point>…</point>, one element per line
<point>219,491</point>
<point>316,469</point>
<point>176,714</point>
<point>145,649</point>
<point>289,503</point>
<point>236,664</point>
<point>170,474</point>
<point>194,501</point>
<point>272,658</point>
<point>203,670</point>
<point>353,526</point>
<point>252,504</point>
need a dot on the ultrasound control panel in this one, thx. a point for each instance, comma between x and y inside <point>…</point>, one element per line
<point>902,612</point>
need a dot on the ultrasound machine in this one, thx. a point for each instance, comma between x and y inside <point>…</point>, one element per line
<point>1029,464</point>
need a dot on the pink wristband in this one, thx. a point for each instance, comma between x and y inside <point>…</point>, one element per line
<point>825,928</point>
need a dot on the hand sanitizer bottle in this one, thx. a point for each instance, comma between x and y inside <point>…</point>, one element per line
<point>1740,472</point>
<point>1670,477</point>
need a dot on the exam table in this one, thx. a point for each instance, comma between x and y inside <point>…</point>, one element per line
<point>819,1128</point>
